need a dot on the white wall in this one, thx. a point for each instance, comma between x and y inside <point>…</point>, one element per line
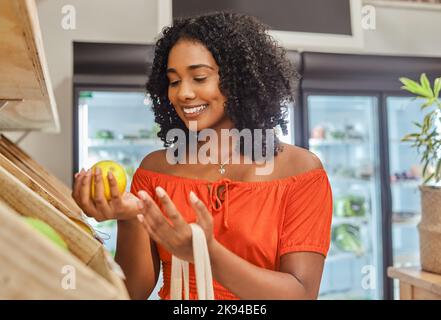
<point>404,29</point>
<point>400,30</point>
<point>116,21</point>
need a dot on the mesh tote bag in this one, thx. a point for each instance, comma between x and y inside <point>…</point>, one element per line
<point>204,278</point>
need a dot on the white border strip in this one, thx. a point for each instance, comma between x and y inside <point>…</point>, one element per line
<point>405,5</point>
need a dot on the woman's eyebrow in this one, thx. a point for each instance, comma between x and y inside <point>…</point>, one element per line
<point>192,67</point>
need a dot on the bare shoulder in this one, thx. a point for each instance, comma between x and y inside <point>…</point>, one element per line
<point>296,160</point>
<point>154,161</point>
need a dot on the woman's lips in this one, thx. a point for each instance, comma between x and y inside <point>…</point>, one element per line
<point>194,114</point>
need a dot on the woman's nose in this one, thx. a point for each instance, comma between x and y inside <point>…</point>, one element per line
<point>185,92</point>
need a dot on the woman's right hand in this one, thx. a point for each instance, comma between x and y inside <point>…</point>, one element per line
<point>120,207</point>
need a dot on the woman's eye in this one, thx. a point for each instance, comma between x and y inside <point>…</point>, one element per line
<point>173,83</point>
<point>200,79</point>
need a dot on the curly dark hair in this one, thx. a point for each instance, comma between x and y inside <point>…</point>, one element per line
<point>256,78</point>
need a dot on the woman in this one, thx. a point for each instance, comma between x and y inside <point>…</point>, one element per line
<point>268,234</point>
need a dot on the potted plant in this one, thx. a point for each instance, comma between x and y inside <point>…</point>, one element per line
<point>427,141</point>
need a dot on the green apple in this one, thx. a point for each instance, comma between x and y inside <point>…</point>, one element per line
<point>47,231</point>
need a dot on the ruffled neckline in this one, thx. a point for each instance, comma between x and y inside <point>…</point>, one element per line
<point>300,176</point>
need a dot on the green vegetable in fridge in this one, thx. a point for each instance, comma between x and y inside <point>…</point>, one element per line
<point>350,206</point>
<point>347,238</point>
<point>104,134</point>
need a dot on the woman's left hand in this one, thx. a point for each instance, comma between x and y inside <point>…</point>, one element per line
<point>177,236</point>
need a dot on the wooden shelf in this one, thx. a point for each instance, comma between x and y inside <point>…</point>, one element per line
<point>416,284</point>
<point>26,97</point>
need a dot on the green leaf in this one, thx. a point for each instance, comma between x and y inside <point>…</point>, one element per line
<point>438,168</point>
<point>428,178</point>
<point>425,83</point>
<point>426,164</point>
<point>436,87</point>
<point>428,103</point>
<point>410,137</point>
<point>408,83</point>
<point>432,134</point>
<point>414,87</point>
<point>426,123</point>
<point>417,124</point>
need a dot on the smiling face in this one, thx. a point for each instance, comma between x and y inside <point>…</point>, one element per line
<point>193,90</point>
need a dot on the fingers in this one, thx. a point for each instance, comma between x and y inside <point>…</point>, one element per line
<point>176,237</point>
<point>113,185</point>
<point>170,209</point>
<point>149,230</point>
<point>85,202</point>
<point>76,188</point>
<point>153,214</point>
<point>204,217</point>
<point>99,198</point>
<point>84,193</point>
<point>153,220</point>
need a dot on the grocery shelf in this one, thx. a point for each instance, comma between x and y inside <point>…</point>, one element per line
<point>349,180</point>
<point>407,222</point>
<point>410,183</point>
<point>340,256</point>
<point>116,143</point>
<point>351,220</point>
<point>345,295</point>
<point>336,142</point>
<point>398,141</point>
<point>408,259</point>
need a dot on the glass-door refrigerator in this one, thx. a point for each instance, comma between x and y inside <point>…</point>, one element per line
<point>405,173</point>
<point>354,114</point>
<point>118,125</point>
<point>343,133</point>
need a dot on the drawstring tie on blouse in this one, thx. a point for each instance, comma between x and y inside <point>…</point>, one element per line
<point>215,199</point>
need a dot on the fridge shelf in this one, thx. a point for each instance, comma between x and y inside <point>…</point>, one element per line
<point>345,256</point>
<point>117,143</point>
<point>350,180</point>
<point>411,221</point>
<point>351,220</point>
<point>408,259</point>
<point>398,141</point>
<point>345,295</point>
<point>406,183</point>
<point>331,143</point>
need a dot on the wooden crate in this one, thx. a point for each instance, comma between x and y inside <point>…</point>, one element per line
<point>31,267</point>
<point>37,178</point>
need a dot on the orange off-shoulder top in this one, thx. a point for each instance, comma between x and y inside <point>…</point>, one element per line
<point>259,221</point>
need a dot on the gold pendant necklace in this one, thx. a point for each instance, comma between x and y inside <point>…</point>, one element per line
<point>222,169</point>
